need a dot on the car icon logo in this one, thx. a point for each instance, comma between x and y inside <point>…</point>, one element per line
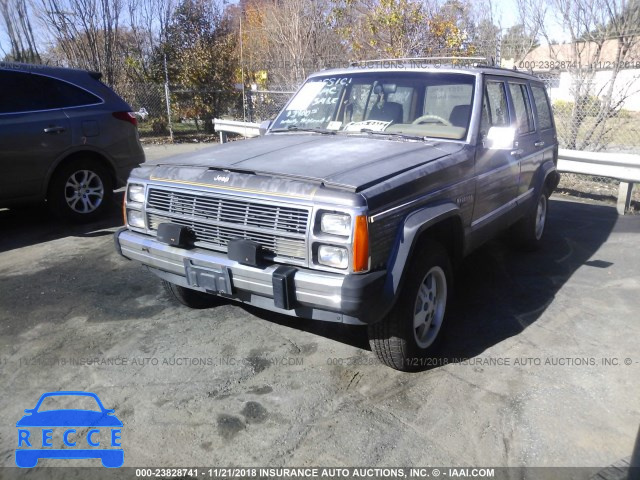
<point>69,433</point>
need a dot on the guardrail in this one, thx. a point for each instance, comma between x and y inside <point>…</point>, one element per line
<point>621,166</point>
<point>246,129</point>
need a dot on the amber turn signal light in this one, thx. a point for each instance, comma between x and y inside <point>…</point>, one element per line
<point>361,244</point>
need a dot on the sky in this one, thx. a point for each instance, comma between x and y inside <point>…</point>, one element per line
<point>506,15</point>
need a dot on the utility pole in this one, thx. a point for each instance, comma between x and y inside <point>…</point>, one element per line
<point>166,96</point>
<point>244,95</point>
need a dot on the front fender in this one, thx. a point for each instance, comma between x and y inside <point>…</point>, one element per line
<point>414,225</point>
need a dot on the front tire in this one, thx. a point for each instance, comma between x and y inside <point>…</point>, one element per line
<point>81,190</point>
<point>188,297</point>
<point>413,330</point>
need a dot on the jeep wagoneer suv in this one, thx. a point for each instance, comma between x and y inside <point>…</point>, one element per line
<point>364,193</point>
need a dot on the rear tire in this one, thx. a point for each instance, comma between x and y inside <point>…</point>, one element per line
<point>412,332</point>
<point>188,297</point>
<point>81,190</point>
<point>528,232</point>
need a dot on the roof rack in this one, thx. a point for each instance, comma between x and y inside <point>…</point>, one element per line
<point>355,63</point>
<point>507,69</point>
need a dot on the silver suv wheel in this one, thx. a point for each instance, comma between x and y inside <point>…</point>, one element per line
<point>81,189</point>
<point>84,191</point>
<point>429,307</point>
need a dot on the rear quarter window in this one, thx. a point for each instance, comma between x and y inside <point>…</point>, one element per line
<point>25,92</point>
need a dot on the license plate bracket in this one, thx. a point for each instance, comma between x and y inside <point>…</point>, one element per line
<point>213,279</point>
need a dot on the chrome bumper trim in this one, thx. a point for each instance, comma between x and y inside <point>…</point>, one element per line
<point>312,288</point>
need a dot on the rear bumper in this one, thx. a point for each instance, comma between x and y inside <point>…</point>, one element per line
<point>354,299</point>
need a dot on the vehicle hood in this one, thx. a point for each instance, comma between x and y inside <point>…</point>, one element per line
<point>349,162</point>
<point>69,418</point>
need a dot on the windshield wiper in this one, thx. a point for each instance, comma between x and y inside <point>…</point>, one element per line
<point>392,134</point>
<point>295,128</point>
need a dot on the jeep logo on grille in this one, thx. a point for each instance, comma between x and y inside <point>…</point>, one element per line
<point>220,178</point>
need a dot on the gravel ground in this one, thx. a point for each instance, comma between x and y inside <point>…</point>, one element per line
<point>596,188</point>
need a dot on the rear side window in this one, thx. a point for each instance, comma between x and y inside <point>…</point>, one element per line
<point>542,105</point>
<point>25,92</point>
<point>495,112</point>
<point>522,106</point>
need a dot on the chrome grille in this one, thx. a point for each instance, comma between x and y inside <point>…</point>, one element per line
<point>215,220</point>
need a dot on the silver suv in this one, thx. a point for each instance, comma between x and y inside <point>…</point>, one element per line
<point>65,137</point>
<point>358,202</point>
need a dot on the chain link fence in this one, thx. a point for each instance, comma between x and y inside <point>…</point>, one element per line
<point>173,112</point>
<point>265,104</point>
<point>590,122</point>
<point>183,114</point>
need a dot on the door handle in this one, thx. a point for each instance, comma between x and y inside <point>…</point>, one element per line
<point>517,153</point>
<point>539,144</point>
<point>54,130</point>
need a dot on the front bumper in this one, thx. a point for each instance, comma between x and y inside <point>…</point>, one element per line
<point>353,299</point>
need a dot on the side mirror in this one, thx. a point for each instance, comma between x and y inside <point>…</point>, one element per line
<point>500,138</point>
<point>264,126</point>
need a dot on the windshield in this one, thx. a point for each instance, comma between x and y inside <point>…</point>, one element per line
<point>424,104</point>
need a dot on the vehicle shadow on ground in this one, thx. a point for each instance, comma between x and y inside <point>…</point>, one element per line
<point>500,291</point>
<point>30,225</point>
<point>598,197</point>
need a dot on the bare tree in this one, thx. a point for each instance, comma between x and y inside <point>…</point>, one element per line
<point>517,42</point>
<point>86,32</point>
<point>16,19</point>
<point>148,21</point>
<point>594,28</point>
<point>288,39</point>
<point>622,21</point>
